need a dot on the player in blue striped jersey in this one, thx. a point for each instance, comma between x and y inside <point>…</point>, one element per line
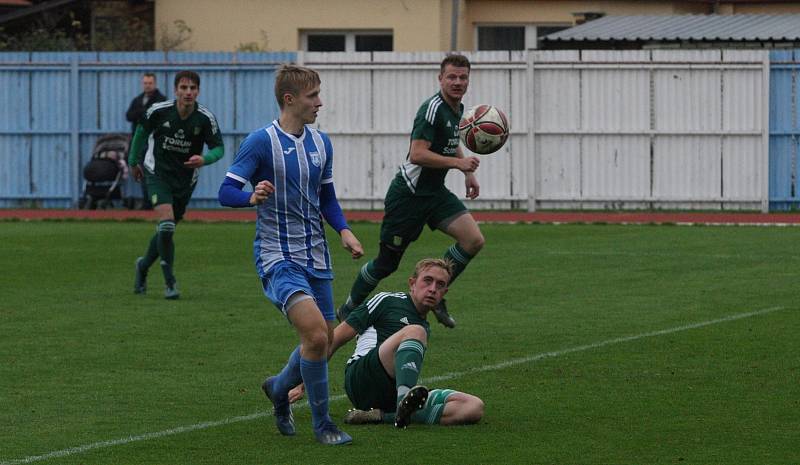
<point>290,166</point>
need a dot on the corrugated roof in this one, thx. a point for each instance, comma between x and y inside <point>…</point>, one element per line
<point>684,27</point>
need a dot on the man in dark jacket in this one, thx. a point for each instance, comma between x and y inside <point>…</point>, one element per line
<point>139,105</point>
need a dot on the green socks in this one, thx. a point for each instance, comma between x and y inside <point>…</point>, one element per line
<point>460,259</point>
<point>365,283</point>
<point>407,365</point>
<point>166,249</point>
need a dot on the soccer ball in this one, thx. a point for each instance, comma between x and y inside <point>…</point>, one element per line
<point>483,129</point>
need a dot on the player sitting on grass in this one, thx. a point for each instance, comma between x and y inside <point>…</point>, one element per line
<point>381,375</point>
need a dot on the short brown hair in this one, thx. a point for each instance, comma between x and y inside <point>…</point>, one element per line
<point>426,263</point>
<point>456,60</point>
<point>293,79</point>
<point>149,74</point>
<point>190,75</point>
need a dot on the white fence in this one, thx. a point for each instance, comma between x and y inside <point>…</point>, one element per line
<point>589,129</point>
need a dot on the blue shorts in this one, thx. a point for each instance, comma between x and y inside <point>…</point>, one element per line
<point>287,278</point>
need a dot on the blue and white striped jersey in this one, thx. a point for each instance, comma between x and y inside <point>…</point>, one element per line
<point>289,225</point>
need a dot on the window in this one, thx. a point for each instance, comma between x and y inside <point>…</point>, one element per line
<point>347,41</point>
<point>374,43</point>
<point>520,37</point>
<point>326,43</point>
<point>501,37</point>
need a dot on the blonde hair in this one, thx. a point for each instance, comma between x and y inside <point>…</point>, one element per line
<point>293,79</point>
<point>426,263</point>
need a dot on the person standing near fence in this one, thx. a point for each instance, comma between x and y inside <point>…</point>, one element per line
<point>174,132</point>
<point>136,110</point>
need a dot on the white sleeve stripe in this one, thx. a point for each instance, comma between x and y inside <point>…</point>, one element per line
<point>236,177</point>
<point>159,105</point>
<point>433,107</point>
<point>326,181</point>
<point>210,116</point>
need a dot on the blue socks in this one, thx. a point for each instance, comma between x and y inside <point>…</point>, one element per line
<point>315,376</point>
<point>289,377</point>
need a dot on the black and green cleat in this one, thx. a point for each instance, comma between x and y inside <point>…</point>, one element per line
<point>363,417</point>
<point>443,316</point>
<point>140,283</point>
<point>414,400</point>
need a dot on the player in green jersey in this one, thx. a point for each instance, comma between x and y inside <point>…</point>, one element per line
<point>417,196</point>
<point>381,375</point>
<point>174,132</point>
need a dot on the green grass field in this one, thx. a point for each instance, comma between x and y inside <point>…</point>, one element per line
<point>588,343</point>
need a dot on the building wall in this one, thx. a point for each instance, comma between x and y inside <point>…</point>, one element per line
<point>417,25</point>
<point>760,9</point>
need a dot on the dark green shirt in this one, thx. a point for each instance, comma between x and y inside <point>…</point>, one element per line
<point>171,141</point>
<point>381,316</point>
<point>437,123</point>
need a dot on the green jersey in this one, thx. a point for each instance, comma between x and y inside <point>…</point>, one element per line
<point>437,123</point>
<point>171,141</point>
<point>381,316</point>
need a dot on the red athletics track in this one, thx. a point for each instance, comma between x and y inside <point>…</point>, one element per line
<point>725,218</point>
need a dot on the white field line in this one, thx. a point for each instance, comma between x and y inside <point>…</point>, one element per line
<point>433,379</point>
<point>669,255</point>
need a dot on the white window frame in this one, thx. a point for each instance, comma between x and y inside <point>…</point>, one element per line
<point>349,36</point>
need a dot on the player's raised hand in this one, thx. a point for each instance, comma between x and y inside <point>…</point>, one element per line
<point>195,161</point>
<point>260,193</point>
<point>351,244</point>
<point>473,188</point>
<point>468,164</point>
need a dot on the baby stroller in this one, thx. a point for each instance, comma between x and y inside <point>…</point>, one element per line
<point>104,173</point>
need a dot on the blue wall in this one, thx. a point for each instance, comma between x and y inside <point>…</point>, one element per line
<point>784,129</point>
<point>54,105</point>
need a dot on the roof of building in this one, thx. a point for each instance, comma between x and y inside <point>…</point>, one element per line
<point>737,27</point>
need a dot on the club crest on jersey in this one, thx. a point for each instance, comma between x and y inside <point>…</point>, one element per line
<point>314,158</point>
<point>196,130</point>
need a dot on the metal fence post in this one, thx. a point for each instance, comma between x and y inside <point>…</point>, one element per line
<point>75,127</point>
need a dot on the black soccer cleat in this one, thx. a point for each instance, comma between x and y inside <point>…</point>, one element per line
<point>171,292</point>
<point>140,283</point>
<point>330,435</point>
<point>284,419</point>
<point>414,400</point>
<point>442,315</point>
<point>363,417</point>
<point>342,312</point>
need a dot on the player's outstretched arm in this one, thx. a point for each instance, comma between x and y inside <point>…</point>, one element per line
<point>332,212</point>
<point>472,185</point>
<point>139,138</point>
<point>351,243</point>
<point>231,194</point>
<point>342,334</point>
<point>420,154</point>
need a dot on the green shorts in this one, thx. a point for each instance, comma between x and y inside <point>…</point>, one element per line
<point>163,193</point>
<point>368,385</point>
<point>406,214</point>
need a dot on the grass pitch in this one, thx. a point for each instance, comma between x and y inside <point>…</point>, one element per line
<point>588,343</point>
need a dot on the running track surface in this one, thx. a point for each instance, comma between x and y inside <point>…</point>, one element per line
<point>729,218</point>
